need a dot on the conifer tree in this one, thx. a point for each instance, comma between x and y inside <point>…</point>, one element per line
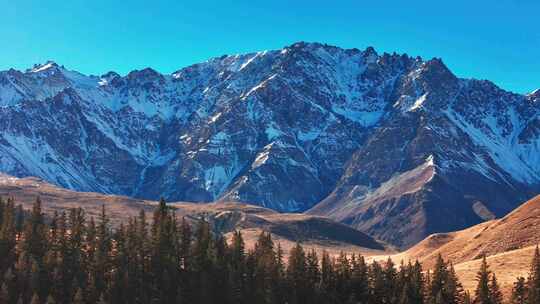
<point>533,283</point>
<point>495,293</point>
<point>391,294</point>
<point>377,283</point>
<point>4,293</point>
<point>9,289</point>
<point>453,288</point>
<point>2,206</point>
<point>100,262</point>
<point>35,299</point>
<point>296,271</point>
<point>8,233</point>
<point>202,261</point>
<point>328,279</point>
<point>418,283</point>
<point>359,279</point>
<point>519,291</point>
<point>50,300</point>
<point>34,235</point>
<point>313,276</point>
<point>278,276</point>
<point>101,300</point>
<point>237,268</point>
<point>78,298</point>
<point>482,294</point>
<point>438,279</point>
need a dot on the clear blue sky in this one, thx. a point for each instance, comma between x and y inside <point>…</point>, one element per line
<point>497,40</point>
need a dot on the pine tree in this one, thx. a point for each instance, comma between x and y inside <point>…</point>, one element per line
<point>359,279</point>
<point>296,271</point>
<point>2,206</point>
<point>438,280</point>
<point>495,293</point>
<point>79,297</point>
<point>4,293</point>
<point>35,299</point>
<point>237,268</point>
<point>453,288</point>
<point>328,279</point>
<point>50,300</point>
<point>101,300</point>
<point>391,293</point>
<point>9,289</point>
<point>100,264</point>
<point>313,276</point>
<point>202,262</point>
<point>533,283</point>
<point>410,282</point>
<point>278,276</point>
<point>519,291</point>
<point>31,258</point>
<point>8,233</point>
<point>377,283</point>
<point>418,283</point>
<point>34,235</point>
<point>482,294</point>
<point>343,278</point>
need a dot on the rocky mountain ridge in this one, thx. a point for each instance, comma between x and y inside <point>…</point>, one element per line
<point>396,146</point>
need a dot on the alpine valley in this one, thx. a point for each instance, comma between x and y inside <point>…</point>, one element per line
<point>395,146</point>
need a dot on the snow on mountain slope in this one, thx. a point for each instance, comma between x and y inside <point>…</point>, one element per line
<point>482,140</point>
<point>284,129</point>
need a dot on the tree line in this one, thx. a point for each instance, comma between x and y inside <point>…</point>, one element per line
<point>70,258</point>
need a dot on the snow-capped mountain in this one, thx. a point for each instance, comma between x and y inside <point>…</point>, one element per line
<point>394,145</point>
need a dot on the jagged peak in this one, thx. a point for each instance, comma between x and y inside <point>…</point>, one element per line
<point>434,71</point>
<point>534,94</point>
<point>370,51</point>
<point>312,46</point>
<point>108,77</point>
<point>435,63</point>
<point>110,74</point>
<point>146,74</point>
<point>37,68</point>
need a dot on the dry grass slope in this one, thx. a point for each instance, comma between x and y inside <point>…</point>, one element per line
<point>507,242</point>
<point>313,231</point>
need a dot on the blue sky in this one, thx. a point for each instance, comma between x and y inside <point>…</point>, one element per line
<point>496,40</point>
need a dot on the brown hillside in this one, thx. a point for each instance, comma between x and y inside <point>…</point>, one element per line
<point>519,229</point>
<point>508,243</point>
<point>507,266</point>
<point>313,231</point>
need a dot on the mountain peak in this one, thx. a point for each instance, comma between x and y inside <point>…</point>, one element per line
<point>37,68</point>
<point>146,73</point>
<point>436,73</point>
<point>534,94</point>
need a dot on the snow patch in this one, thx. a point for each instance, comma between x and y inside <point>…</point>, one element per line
<point>365,118</point>
<point>41,68</point>
<point>259,86</point>
<point>418,103</point>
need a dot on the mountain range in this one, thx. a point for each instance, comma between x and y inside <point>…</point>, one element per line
<point>393,145</point>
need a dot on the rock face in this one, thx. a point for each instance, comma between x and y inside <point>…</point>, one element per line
<point>396,146</point>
